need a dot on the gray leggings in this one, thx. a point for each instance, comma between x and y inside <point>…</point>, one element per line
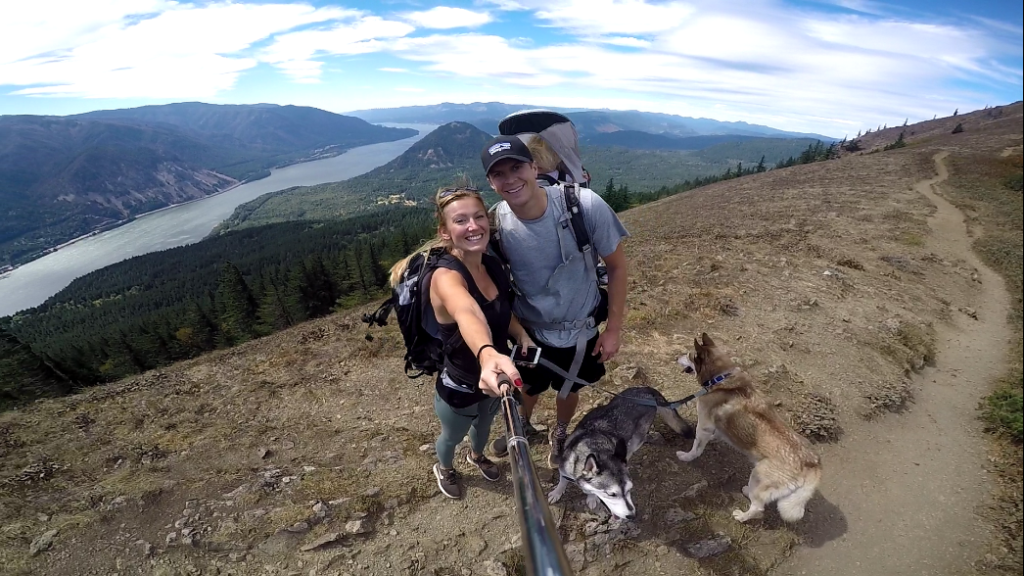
<point>456,422</point>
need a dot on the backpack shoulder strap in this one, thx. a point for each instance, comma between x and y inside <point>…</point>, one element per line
<point>452,263</point>
<point>571,194</point>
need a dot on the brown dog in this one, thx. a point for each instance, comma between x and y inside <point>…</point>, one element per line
<point>786,469</point>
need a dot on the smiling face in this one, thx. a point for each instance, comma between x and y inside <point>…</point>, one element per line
<point>516,182</point>
<point>465,224</point>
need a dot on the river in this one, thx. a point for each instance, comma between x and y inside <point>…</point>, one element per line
<point>31,284</point>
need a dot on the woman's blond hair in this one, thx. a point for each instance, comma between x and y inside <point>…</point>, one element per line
<point>462,189</point>
<point>544,156</point>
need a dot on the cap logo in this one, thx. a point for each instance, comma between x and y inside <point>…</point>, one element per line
<point>499,147</point>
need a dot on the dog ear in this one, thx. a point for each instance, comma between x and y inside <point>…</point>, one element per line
<point>708,342</point>
<point>697,347</point>
<point>590,466</point>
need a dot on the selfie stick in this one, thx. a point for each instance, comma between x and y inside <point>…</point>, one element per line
<point>542,547</point>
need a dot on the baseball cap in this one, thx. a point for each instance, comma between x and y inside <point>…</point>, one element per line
<point>504,147</point>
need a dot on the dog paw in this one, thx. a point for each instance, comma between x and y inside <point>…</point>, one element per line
<point>742,516</point>
<point>746,491</point>
<point>685,456</point>
<point>592,502</point>
<point>554,496</point>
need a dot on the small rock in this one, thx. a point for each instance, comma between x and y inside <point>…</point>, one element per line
<point>298,528</point>
<point>708,548</point>
<point>263,453</point>
<point>678,516</point>
<point>970,312</point>
<point>358,527</point>
<point>494,568</point>
<point>147,548</point>
<point>428,449</point>
<point>322,541</point>
<point>43,543</point>
<point>692,491</point>
<point>171,539</point>
<point>373,492</point>
<point>320,509</point>
<point>43,517</point>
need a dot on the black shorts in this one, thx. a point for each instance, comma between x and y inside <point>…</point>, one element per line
<point>539,378</point>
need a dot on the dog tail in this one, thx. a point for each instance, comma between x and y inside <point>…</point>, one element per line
<point>792,505</point>
<point>676,422</point>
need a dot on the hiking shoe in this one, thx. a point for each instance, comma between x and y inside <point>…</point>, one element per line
<point>488,469</point>
<point>449,482</point>
<point>557,444</point>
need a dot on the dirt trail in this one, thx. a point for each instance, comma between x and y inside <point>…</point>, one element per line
<point>901,494</point>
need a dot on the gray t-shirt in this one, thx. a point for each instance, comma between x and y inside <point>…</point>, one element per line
<point>548,269</point>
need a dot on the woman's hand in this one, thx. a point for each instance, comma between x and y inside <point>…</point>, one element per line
<point>492,365</point>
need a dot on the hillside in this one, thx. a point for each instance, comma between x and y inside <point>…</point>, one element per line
<point>454,149</point>
<point>588,122</point>
<point>637,140</point>
<point>63,177</point>
<point>436,160</point>
<point>259,129</point>
<point>844,288</point>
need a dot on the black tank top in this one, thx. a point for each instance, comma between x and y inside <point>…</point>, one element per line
<point>460,364</point>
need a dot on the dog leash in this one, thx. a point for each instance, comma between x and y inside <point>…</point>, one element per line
<point>705,387</point>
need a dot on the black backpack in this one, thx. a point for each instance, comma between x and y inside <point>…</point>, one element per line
<point>424,351</point>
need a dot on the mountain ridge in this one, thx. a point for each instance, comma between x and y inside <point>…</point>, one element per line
<point>588,121</point>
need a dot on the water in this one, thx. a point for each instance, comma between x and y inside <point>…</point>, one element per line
<point>30,285</point>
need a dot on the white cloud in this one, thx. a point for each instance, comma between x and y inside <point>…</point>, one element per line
<point>180,51</point>
<point>395,70</point>
<point>409,89</point>
<point>444,17</point>
<point>626,41</point>
<point>294,52</point>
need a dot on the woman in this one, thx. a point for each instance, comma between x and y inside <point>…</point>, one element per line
<point>469,296</point>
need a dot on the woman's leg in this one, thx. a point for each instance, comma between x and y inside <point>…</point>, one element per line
<point>480,430</point>
<point>453,429</point>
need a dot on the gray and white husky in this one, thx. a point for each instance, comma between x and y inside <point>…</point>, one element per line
<point>596,454</point>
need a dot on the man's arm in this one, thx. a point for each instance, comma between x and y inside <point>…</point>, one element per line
<point>618,283</point>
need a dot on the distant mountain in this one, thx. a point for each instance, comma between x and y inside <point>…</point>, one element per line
<point>637,140</point>
<point>588,122</point>
<point>259,128</point>
<point>63,177</point>
<point>438,159</point>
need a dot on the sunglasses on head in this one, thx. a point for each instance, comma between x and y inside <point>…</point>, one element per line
<point>449,191</point>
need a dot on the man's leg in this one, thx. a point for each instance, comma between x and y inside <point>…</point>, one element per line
<point>529,403</point>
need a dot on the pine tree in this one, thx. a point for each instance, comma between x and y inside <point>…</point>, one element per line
<point>24,375</point>
<point>236,307</point>
<point>273,313</point>
<point>760,165</point>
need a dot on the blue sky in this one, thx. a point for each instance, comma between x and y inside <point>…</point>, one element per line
<point>829,66</point>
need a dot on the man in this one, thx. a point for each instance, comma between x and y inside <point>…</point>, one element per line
<point>557,288</point>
